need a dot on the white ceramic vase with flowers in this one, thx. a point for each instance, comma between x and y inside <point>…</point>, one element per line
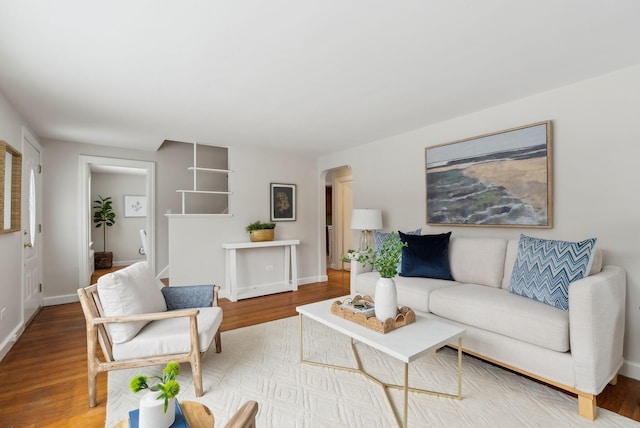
<point>385,261</point>
<point>158,405</point>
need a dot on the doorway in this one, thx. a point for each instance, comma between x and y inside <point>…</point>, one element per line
<point>88,165</point>
<point>338,184</point>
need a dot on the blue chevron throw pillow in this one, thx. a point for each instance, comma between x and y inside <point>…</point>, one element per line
<point>544,268</point>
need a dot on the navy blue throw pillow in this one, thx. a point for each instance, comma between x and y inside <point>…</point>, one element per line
<point>426,256</point>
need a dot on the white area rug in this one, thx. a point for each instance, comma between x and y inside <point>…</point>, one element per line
<point>262,363</point>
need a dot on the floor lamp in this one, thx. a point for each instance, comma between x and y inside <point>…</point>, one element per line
<point>366,220</point>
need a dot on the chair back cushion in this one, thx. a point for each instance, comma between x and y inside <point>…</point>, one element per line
<point>129,291</point>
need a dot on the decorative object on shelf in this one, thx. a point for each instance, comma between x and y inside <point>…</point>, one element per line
<point>385,260</point>
<point>135,206</point>
<point>366,220</point>
<point>104,217</point>
<point>498,179</point>
<point>259,231</point>
<point>157,406</point>
<point>404,316</point>
<point>283,202</point>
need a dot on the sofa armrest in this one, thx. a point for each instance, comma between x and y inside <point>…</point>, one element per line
<point>596,323</point>
<point>356,269</point>
<point>190,296</point>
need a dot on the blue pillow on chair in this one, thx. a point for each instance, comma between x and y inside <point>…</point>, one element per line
<point>426,256</point>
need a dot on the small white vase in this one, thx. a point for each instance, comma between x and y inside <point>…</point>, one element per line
<point>386,299</point>
<point>152,413</point>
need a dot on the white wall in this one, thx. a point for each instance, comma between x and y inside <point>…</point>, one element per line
<point>123,238</point>
<point>61,208</point>
<point>253,171</point>
<point>595,165</point>
<point>10,244</point>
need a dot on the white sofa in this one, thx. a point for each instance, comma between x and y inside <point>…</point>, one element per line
<point>579,350</point>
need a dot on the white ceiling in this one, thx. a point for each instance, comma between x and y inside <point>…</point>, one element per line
<point>305,75</point>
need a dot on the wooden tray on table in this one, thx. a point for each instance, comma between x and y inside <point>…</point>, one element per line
<point>404,316</point>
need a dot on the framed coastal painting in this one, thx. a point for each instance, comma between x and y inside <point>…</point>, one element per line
<point>283,202</point>
<point>498,179</point>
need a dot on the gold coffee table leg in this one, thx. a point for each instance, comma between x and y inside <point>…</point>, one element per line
<point>386,386</point>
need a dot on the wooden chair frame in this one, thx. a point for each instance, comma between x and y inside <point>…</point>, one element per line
<point>245,417</point>
<point>98,333</point>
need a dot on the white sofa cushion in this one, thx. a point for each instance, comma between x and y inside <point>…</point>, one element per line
<point>412,292</point>
<point>477,261</point>
<point>499,311</point>
<point>129,291</point>
<point>170,336</point>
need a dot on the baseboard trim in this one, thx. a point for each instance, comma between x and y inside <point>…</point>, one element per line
<point>60,300</point>
<point>312,279</point>
<point>224,294</point>
<point>8,343</point>
<point>630,369</point>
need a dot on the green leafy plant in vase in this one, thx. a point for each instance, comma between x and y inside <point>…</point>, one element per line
<point>158,406</point>
<point>385,261</point>
<point>261,231</point>
<point>104,217</point>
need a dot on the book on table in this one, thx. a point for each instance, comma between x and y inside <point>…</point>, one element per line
<point>359,307</point>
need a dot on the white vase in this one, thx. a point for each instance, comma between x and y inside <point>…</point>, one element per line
<point>386,299</point>
<point>152,414</point>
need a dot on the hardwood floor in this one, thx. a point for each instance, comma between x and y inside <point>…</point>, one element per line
<point>44,382</point>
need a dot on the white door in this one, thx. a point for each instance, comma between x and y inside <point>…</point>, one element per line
<point>347,207</point>
<point>31,226</point>
<point>342,220</point>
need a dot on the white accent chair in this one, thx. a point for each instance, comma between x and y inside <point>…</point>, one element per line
<point>139,322</point>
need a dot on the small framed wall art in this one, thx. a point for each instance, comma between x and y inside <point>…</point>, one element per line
<point>498,179</point>
<point>283,202</point>
<point>135,206</point>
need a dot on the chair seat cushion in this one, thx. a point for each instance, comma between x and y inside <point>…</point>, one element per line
<point>170,336</point>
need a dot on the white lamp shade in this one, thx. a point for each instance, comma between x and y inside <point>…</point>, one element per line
<point>366,219</point>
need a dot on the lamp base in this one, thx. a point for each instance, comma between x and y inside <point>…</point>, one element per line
<point>366,239</point>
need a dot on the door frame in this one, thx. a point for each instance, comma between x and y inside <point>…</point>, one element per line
<point>84,208</point>
<point>29,138</point>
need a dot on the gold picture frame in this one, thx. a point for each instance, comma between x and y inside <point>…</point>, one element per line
<point>501,179</point>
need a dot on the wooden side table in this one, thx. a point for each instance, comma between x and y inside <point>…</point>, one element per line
<point>197,414</point>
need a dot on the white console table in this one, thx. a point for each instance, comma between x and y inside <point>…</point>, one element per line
<point>290,275</point>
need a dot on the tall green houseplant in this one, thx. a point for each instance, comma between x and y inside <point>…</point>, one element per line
<point>104,217</point>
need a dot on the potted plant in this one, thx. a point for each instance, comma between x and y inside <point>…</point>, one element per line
<point>385,261</point>
<point>158,406</point>
<point>104,217</point>
<point>259,231</point>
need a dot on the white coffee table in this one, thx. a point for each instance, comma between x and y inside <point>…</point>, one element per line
<point>405,344</point>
